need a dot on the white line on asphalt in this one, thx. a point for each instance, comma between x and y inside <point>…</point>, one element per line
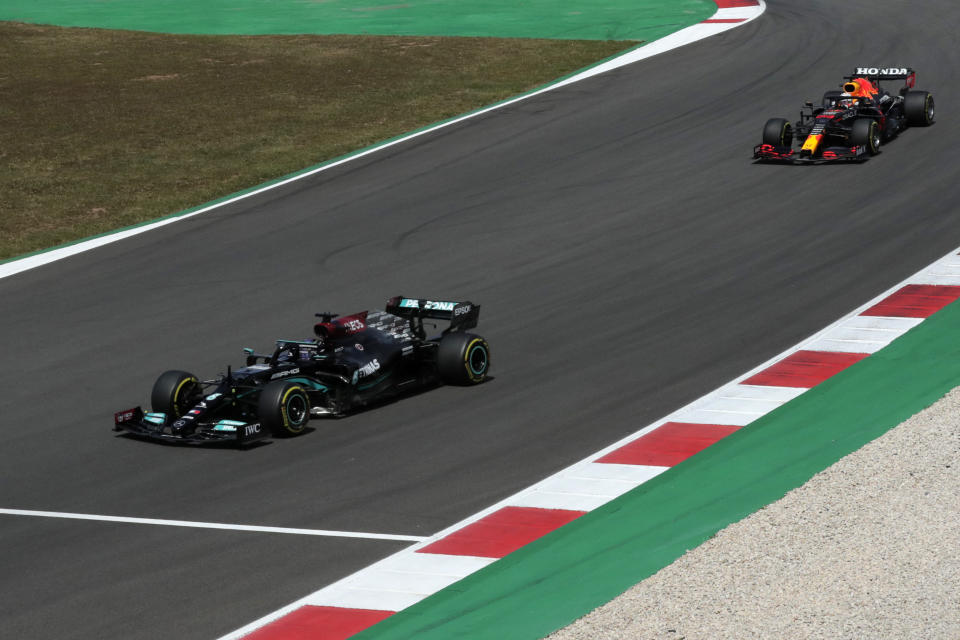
<point>213,525</point>
<point>677,39</point>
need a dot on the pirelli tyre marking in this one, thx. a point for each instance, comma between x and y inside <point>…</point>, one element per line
<point>476,359</point>
<point>177,399</point>
<point>284,408</point>
<point>294,409</point>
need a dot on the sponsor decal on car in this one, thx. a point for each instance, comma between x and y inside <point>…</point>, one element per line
<point>434,305</point>
<point>284,374</point>
<point>352,326</point>
<point>882,71</point>
<point>124,416</point>
<point>369,369</point>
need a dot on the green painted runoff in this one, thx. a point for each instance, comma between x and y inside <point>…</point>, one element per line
<point>554,19</point>
<point>559,578</point>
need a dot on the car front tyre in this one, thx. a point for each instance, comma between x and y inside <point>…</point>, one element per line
<point>866,133</point>
<point>174,393</point>
<point>778,132</point>
<point>284,408</point>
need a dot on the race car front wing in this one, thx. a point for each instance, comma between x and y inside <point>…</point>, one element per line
<point>772,153</point>
<point>157,426</point>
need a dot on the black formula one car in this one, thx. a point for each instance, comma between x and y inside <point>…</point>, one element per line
<point>351,362</point>
<point>849,125</point>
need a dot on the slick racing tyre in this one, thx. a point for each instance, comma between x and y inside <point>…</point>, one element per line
<point>866,132</point>
<point>175,392</point>
<point>463,359</point>
<point>284,408</point>
<point>918,106</point>
<point>778,133</point>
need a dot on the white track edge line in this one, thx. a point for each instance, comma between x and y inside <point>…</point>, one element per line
<point>685,36</point>
<point>212,525</point>
<point>239,633</point>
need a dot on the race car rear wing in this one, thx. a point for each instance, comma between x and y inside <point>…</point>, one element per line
<point>885,73</point>
<point>462,315</point>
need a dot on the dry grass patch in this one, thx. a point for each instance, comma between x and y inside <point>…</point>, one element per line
<point>102,129</point>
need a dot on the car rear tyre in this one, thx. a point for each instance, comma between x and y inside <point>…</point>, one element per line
<point>175,392</point>
<point>463,359</point>
<point>778,132</point>
<point>918,105</point>
<point>866,132</point>
<point>284,408</point>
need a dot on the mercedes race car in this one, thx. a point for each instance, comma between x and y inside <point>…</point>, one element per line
<point>350,362</point>
<point>851,124</point>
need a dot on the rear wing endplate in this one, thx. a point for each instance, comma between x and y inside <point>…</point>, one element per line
<point>462,315</point>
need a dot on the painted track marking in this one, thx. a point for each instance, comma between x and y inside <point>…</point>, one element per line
<point>398,581</point>
<point>213,525</point>
<point>414,573</point>
<point>564,496</point>
<point>730,14</point>
<point>336,623</point>
<point>502,532</point>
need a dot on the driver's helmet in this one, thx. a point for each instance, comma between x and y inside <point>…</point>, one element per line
<point>846,100</point>
<point>285,351</point>
<point>860,88</point>
<point>322,332</point>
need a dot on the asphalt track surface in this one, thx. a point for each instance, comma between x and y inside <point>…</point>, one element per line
<point>629,258</point>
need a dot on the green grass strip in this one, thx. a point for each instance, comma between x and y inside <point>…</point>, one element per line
<point>548,584</point>
<point>553,19</point>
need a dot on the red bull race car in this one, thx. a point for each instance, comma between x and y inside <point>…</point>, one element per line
<point>850,124</point>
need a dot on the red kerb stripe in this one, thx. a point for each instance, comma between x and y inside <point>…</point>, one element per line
<point>669,444</point>
<point>319,623</point>
<point>915,301</point>
<point>733,4</point>
<point>502,532</point>
<point>805,369</point>
<point>724,20</point>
